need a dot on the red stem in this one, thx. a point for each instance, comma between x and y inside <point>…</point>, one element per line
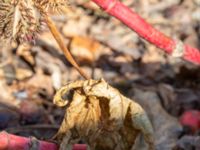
<point>13,142</point>
<point>146,31</point>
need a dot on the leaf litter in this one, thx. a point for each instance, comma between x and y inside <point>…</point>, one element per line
<point>129,63</point>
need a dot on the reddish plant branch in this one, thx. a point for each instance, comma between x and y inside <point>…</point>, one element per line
<point>146,31</point>
<point>13,142</point>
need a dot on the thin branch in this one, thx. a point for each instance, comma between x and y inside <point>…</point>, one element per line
<point>59,39</point>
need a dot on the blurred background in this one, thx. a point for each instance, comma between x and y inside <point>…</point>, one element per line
<point>167,88</point>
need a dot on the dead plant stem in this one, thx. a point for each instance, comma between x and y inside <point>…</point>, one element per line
<point>59,39</point>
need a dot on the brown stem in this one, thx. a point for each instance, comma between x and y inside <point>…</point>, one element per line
<point>59,39</point>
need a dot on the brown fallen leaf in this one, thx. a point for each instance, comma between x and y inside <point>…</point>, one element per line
<point>86,50</point>
<point>100,116</point>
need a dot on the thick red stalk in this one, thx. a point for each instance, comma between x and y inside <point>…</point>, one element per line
<point>146,31</point>
<point>13,142</point>
<point>9,141</point>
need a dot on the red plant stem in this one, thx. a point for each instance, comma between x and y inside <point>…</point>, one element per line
<point>13,142</point>
<point>191,119</point>
<point>146,31</point>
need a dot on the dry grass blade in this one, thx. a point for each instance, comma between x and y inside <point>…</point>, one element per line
<point>99,115</point>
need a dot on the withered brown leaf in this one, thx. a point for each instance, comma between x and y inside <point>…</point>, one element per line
<point>101,116</point>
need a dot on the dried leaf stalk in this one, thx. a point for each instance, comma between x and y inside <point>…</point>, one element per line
<point>21,20</point>
<point>60,41</point>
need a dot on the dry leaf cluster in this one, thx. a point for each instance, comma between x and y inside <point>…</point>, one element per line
<point>22,19</point>
<point>100,116</point>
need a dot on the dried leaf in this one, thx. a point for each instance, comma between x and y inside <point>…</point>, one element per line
<point>100,116</point>
<point>85,49</point>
